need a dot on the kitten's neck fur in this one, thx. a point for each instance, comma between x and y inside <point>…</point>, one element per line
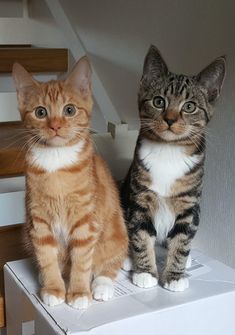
<point>192,145</point>
<point>51,159</point>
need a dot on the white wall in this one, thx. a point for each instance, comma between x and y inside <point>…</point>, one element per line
<point>190,34</point>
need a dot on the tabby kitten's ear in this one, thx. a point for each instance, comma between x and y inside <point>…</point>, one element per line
<point>212,78</point>
<point>154,66</point>
<point>22,78</point>
<point>80,77</point>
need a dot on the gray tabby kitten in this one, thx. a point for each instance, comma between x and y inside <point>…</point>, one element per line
<point>162,190</point>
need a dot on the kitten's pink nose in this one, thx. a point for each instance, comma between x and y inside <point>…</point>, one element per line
<point>55,125</point>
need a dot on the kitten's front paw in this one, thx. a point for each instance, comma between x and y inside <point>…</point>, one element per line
<point>79,300</point>
<point>102,288</point>
<point>177,285</point>
<point>144,280</point>
<point>52,297</point>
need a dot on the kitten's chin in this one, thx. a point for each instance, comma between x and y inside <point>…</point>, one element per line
<point>57,141</point>
<point>170,136</point>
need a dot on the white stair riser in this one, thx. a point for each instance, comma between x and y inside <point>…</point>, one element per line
<point>12,208</point>
<point>8,107</point>
<point>12,195</point>
<point>7,84</point>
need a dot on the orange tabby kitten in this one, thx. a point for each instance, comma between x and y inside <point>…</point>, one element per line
<point>74,220</point>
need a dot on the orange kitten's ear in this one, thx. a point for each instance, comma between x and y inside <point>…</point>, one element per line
<point>22,78</point>
<point>80,77</point>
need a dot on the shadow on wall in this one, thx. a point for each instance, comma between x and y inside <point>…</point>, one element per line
<point>124,82</point>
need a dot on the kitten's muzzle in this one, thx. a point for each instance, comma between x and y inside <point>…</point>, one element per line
<point>55,125</point>
<point>170,122</point>
<point>170,117</point>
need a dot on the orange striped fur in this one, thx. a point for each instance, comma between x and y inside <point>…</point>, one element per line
<point>75,226</point>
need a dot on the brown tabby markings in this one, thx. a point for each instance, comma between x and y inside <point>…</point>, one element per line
<point>74,221</point>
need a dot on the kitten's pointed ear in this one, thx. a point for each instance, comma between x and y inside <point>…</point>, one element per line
<point>212,78</point>
<point>80,77</point>
<point>154,66</point>
<point>22,78</point>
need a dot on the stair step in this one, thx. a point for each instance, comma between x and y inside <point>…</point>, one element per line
<point>34,59</point>
<point>9,46</point>
<point>12,152</point>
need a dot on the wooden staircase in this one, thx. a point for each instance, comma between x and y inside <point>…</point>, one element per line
<point>33,59</point>
<point>12,139</point>
<point>12,150</point>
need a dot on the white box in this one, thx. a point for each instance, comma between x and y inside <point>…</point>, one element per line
<point>206,308</point>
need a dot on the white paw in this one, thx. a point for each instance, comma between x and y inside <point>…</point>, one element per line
<point>127,264</point>
<point>80,303</point>
<point>177,285</point>
<point>189,262</point>
<point>144,279</point>
<point>51,300</point>
<point>102,288</point>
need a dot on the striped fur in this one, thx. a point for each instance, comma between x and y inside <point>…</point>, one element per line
<point>162,190</point>
<point>74,223</point>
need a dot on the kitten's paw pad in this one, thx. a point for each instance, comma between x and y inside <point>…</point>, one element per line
<point>177,285</point>
<point>189,262</point>
<point>80,302</point>
<point>127,264</point>
<point>50,299</point>
<point>102,288</point>
<point>144,280</point>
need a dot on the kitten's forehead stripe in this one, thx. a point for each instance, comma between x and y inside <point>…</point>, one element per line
<point>178,85</point>
<point>53,92</point>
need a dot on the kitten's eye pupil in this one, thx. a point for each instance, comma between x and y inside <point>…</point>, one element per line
<point>189,107</point>
<point>40,112</point>
<point>69,110</point>
<point>159,102</point>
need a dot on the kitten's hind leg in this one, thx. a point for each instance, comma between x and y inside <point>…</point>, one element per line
<point>108,259</point>
<point>102,288</point>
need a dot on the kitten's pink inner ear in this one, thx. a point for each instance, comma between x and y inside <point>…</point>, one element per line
<point>22,78</point>
<point>80,77</point>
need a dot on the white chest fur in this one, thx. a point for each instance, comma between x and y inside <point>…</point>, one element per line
<point>166,164</point>
<point>55,158</point>
<point>61,233</point>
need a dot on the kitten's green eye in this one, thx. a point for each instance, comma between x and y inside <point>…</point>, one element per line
<point>40,112</point>
<point>189,107</point>
<point>69,110</point>
<point>159,102</point>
